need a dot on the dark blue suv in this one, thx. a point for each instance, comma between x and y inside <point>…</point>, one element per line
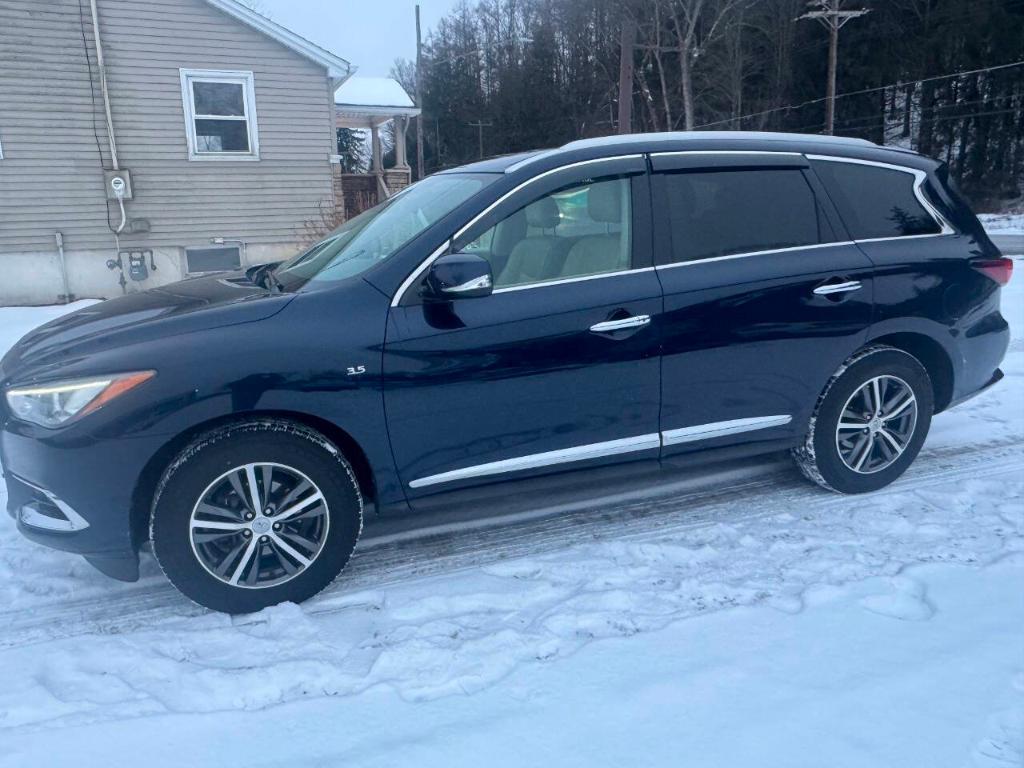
<point>496,325</point>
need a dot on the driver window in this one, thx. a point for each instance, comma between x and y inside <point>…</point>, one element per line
<point>577,231</point>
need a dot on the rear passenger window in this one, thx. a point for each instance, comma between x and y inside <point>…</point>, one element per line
<point>727,212</point>
<point>875,202</point>
<point>578,231</point>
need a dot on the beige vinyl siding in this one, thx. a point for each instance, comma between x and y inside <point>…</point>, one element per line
<point>48,129</point>
<point>51,177</point>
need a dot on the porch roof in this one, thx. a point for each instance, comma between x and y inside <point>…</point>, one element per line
<point>369,102</point>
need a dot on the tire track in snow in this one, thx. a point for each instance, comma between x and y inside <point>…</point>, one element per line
<point>428,553</point>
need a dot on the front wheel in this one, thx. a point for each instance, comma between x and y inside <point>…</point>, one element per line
<point>869,423</point>
<point>256,514</point>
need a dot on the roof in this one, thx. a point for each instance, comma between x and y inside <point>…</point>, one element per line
<point>338,69</point>
<point>372,92</point>
<point>701,136</point>
<point>369,102</point>
<point>682,141</point>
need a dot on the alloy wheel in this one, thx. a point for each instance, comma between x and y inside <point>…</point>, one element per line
<point>259,525</point>
<point>877,424</point>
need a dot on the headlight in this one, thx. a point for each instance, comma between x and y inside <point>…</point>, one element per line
<point>53,404</point>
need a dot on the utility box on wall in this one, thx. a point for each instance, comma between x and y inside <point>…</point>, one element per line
<point>111,185</point>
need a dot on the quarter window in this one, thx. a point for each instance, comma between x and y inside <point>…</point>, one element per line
<point>220,115</point>
<point>581,230</point>
<point>726,212</point>
<point>875,202</point>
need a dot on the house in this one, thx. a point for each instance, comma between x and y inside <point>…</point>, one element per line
<point>142,141</point>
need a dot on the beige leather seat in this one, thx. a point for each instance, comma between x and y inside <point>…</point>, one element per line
<point>535,258</point>
<point>594,254</point>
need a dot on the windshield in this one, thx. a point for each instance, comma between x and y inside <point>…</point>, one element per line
<point>377,234</point>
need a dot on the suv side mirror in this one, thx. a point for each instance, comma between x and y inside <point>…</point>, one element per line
<point>459,276</point>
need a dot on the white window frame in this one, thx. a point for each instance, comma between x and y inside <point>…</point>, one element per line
<point>243,78</point>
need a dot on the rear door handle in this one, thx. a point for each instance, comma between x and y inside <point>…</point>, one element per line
<point>637,321</point>
<point>830,288</point>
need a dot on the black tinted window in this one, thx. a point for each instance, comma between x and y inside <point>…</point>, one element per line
<point>875,202</point>
<point>719,213</point>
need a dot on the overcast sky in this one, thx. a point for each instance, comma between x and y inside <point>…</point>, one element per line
<point>369,33</point>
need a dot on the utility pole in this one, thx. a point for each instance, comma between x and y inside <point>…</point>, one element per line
<point>626,44</point>
<point>831,15</point>
<point>479,125</point>
<point>419,97</point>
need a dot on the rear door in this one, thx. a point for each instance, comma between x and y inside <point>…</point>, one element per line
<point>765,296</point>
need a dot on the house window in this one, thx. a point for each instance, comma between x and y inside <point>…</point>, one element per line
<point>220,115</point>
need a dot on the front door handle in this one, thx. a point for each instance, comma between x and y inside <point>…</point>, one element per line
<point>845,287</point>
<point>636,321</point>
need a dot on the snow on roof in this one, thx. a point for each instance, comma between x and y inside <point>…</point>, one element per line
<point>372,92</point>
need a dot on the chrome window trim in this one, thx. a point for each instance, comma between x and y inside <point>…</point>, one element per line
<point>436,254</point>
<point>902,237</point>
<point>564,280</point>
<point>722,429</point>
<point>608,448</point>
<point>754,253</point>
<point>400,293</point>
<point>545,459</point>
<point>919,179</point>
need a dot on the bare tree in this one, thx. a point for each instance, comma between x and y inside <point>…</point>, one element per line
<point>697,24</point>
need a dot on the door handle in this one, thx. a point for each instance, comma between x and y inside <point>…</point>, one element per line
<point>637,321</point>
<point>830,288</point>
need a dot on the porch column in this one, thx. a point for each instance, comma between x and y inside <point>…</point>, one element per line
<point>376,166</point>
<point>401,125</point>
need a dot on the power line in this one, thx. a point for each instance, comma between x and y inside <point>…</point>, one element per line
<point>862,91</point>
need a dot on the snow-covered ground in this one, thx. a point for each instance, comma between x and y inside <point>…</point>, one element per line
<point>730,616</point>
<point>1003,223</point>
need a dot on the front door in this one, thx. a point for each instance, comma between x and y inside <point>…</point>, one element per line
<point>559,367</point>
<point>765,296</point>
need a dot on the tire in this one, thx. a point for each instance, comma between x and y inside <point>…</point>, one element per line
<point>853,447</point>
<point>220,553</point>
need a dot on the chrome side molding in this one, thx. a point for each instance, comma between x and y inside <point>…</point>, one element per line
<point>722,428</point>
<point>535,460</point>
<point>608,448</point>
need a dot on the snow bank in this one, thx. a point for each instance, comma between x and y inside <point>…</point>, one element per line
<point>1003,223</point>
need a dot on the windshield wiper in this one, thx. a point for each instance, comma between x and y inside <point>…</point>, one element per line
<point>272,282</point>
<point>264,277</point>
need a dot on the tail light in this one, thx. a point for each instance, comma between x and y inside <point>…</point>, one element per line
<point>999,270</point>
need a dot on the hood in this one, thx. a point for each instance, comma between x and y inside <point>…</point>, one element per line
<point>184,307</point>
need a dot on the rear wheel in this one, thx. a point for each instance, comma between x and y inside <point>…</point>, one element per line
<point>869,423</point>
<point>256,514</point>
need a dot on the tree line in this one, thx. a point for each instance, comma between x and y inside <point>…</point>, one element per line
<point>944,77</point>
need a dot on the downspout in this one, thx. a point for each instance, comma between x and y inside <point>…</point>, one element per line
<point>66,296</point>
<point>103,84</point>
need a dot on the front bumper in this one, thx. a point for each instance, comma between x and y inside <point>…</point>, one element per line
<point>73,494</point>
